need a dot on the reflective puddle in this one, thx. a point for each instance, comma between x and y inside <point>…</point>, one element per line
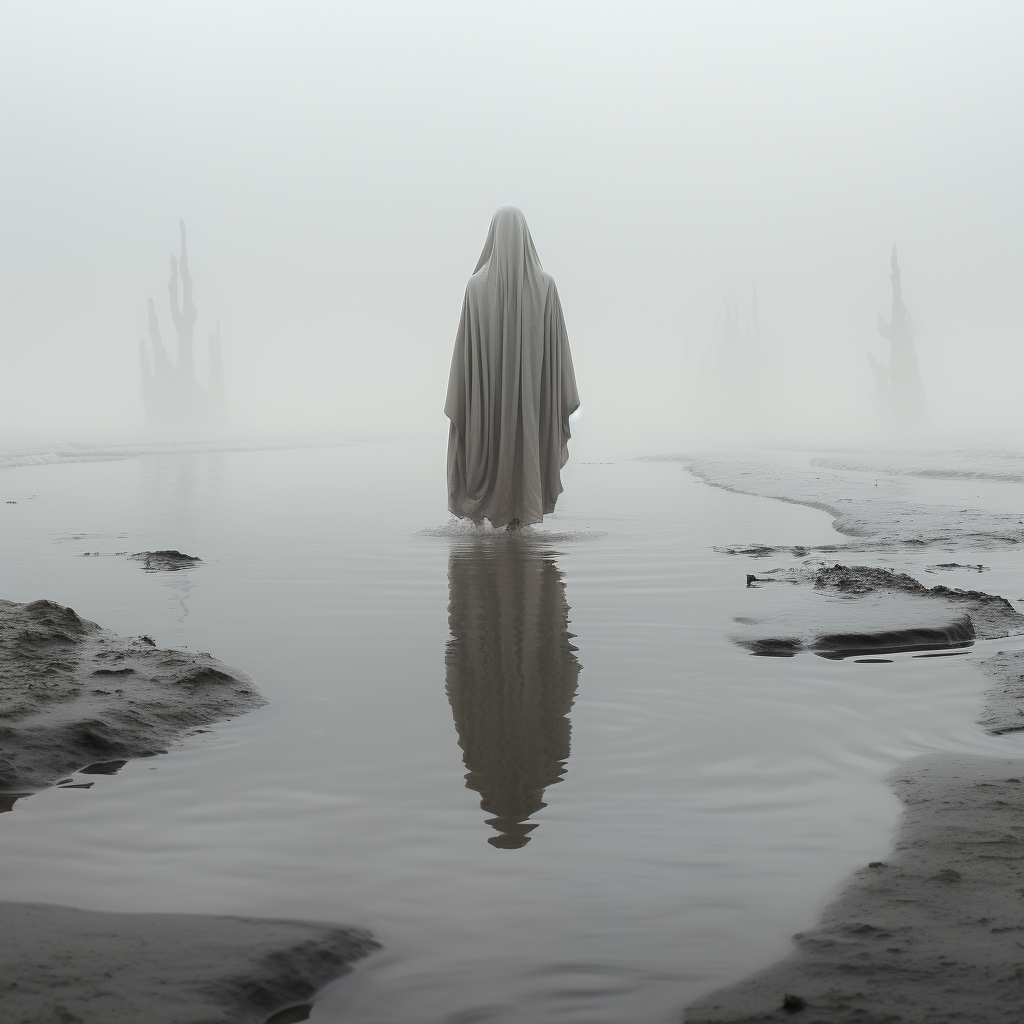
<point>537,766</point>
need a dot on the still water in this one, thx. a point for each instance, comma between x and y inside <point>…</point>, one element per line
<point>536,767</point>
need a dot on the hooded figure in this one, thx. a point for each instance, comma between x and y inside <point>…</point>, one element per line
<point>512,388</point>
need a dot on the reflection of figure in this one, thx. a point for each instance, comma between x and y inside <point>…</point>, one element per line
<point>511,678</point>
<point>907,407</point>
<point>512,388</point>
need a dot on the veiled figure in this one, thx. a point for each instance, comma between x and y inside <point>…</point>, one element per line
<point>512,388</point>
<point>511,678</point>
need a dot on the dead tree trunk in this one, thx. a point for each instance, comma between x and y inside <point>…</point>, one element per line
<point>170,392</point>
<point>907,405</point>
<point>184,316</point>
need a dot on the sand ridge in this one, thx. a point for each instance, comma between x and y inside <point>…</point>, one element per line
<point>876,610</point>
<point>75,694</point>
<point>59,965</point>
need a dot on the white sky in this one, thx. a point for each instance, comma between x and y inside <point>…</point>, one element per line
<point>337,165</point>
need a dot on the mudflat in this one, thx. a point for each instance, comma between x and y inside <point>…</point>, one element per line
<point>932,934</point>
<point>935,932</point>
<point>70,966</point>
<point>76,695</point>
<point>79,698</point>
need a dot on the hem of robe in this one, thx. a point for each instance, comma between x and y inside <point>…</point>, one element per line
<point>457,487</point>
<point>500,520</point>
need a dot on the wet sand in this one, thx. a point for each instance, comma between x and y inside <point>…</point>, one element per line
<point>866,507</point>
<point>69,966</point>
<point>330,805</point>
<point>931,934</point>
<point>934,932</point>
<point>78,698</point>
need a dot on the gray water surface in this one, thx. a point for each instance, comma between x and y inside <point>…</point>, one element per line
<point>698,807</point>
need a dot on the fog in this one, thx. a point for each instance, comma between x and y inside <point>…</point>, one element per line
<point>336,167</point>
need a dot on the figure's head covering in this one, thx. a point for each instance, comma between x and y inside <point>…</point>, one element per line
<point>509,245</point>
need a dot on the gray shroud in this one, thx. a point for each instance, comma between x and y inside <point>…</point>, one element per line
<point>512,388</point>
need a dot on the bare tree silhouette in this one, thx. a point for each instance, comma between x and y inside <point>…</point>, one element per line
<point>170,392</point>
<point>900,396</point>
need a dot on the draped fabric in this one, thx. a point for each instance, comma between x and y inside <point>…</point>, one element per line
<point>512,388</point>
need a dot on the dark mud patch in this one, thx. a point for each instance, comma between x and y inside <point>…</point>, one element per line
<point>990,616</point>
<point>81,967</point>
<point>74,696</point>
<point>165,561</point>
<point>839,646</point>
<point>863,611</point>
<point>931,935</point>
<point>781,550</point>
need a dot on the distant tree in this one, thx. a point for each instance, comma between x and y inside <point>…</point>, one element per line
<point>170,393</point>
<point>900,396</point>
<point>183,315</point>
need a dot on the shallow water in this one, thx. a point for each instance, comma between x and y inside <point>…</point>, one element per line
<point>702,807</point>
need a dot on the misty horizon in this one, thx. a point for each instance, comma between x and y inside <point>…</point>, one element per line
<point>336,169</point>
<point>512,512</point>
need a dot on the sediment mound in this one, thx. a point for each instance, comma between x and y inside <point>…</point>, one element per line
<point>82,967</point>
<point>74,695</point>
<point>930,936</point>
<point>872,610</point>
<point>164,561</point>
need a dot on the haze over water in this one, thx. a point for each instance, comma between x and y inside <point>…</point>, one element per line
<point>336,166</point>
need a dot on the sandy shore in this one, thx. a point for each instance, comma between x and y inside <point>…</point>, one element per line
<point>932,934</point>
<point>75,697</point>
<point>935,933</point>
<point>65,966</point>
<point>860,508</point>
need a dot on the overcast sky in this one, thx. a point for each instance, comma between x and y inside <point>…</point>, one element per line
<point>337,165</point>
